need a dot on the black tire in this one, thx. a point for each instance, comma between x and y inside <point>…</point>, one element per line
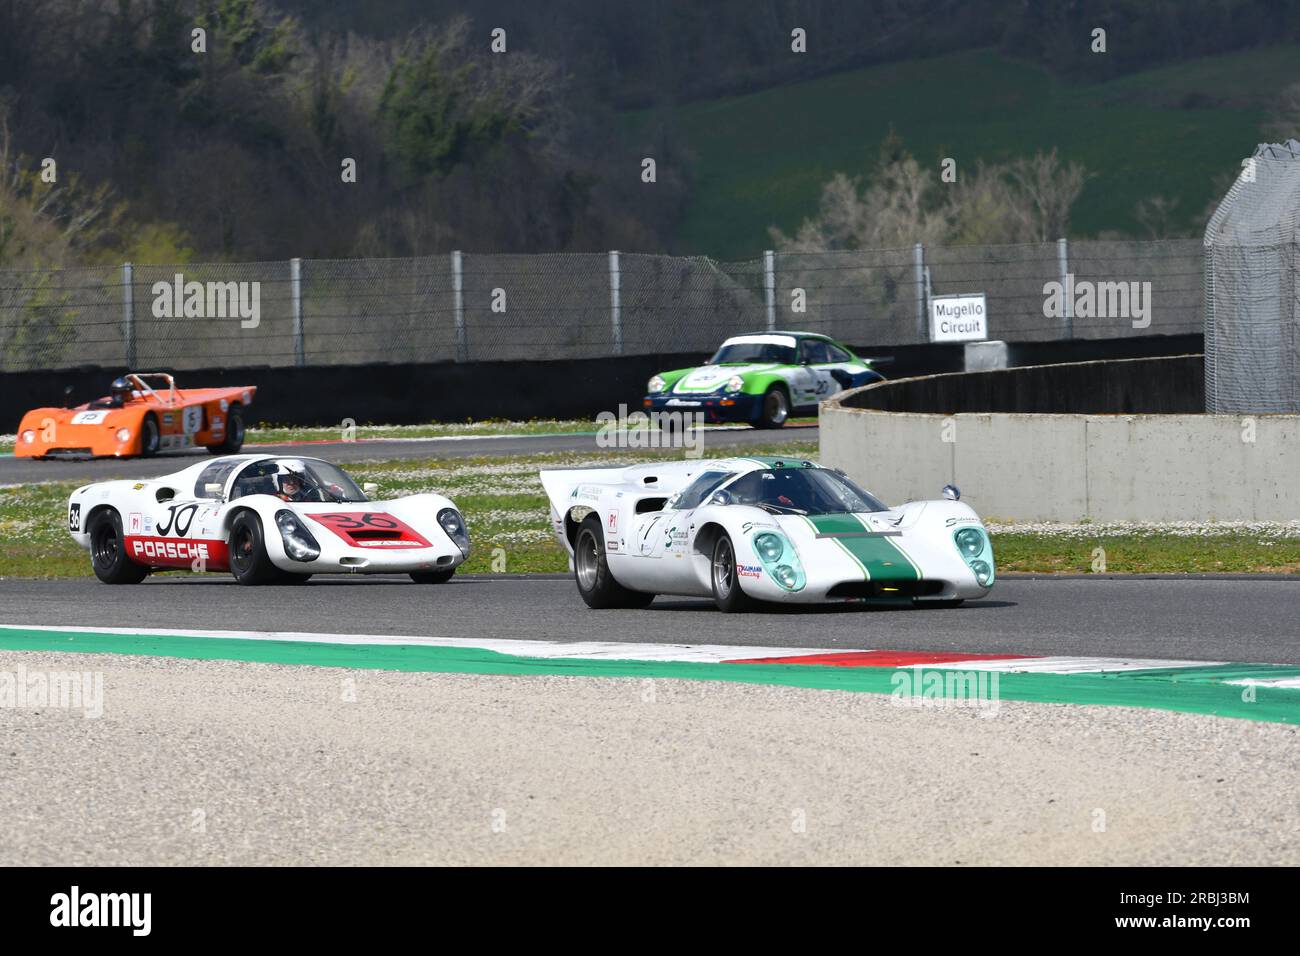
<point>775,409</point>
<point>950,603</point>
<point>432,577</point>
<point>591,571</point>
<point>727,593</point>
<point>249,562</point>
<point>108,551</point>
<point>150,437</point>
<point>234,439</point>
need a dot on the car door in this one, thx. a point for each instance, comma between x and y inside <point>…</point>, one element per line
<point>660,547</point>
<point>835,367</point>
<point>814,358</point>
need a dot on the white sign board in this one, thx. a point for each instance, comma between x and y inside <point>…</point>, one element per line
<point>958,318</point>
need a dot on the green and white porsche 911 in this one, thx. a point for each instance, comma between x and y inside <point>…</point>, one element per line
<point>762,378</point>
<point>748,531</point>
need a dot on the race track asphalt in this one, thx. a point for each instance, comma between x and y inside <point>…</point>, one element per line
<point>18,470</point>
<point>1247,620</point>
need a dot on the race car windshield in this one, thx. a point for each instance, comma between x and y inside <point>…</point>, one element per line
<point>804,491</point>
<point>297,480</point>
<point>744,353</point>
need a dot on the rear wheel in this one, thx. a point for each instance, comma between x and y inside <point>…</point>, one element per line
<point>775,408</point>
<point>249,562</point>
<point>596,584</point>
<point>234,439</point>
<point>727,594</point>
<point>149,436</point>
<point>432,577</point>
<point>108,551</point>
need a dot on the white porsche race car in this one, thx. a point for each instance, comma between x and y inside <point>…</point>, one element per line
<point>267,520</point>
<point>753,530</point>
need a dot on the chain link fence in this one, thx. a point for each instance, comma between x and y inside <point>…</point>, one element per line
<point>469,307</point>
<point>1252,322</point>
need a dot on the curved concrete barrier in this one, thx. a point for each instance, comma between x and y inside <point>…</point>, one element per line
<point>1042,466</point>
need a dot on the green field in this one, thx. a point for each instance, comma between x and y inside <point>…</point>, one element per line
<point>507,514</point>
<point>761,159</point>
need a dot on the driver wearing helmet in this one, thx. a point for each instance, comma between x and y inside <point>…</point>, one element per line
<point>293,486</point>
<point>119,393</point>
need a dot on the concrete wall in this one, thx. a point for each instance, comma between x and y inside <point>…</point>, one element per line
<point>1062,467</point>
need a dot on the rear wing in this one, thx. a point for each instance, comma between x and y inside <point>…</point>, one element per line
<point>568,487</point>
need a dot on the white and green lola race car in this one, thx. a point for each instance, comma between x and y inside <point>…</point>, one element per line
<point>749,531</point>
<point>762,379</point>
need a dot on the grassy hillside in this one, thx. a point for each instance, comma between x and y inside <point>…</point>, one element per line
<point>761,159</point>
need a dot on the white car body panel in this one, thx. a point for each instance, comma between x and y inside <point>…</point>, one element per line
<point>189,530</point>
<point>667,551</point>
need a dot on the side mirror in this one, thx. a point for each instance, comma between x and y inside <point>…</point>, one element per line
<point>952,492</point>
<point>212,489</point>
<point>370,487</point>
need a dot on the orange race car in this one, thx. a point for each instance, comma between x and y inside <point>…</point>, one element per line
<point>138,418</point>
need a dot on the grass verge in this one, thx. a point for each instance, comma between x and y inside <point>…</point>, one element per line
<point>506,511</point>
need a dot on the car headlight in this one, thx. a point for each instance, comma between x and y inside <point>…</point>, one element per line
<point>735,383</point>
<point>768,546</point>
<point>973,545</point>
<point>772,547</point>
<point>124,434</point>
<point>298,541</point>
<point>29,436</point>
<point>970,541</point>
<point>656,384</point>
<point>454,525</point>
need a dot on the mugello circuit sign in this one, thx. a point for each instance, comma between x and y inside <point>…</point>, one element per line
<point>958,318</point>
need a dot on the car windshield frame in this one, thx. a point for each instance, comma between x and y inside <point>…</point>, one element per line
<point>750,353</point>
<point>322,478</point>
<point>835,493</point>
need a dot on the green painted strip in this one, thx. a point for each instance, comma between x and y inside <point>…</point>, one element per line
<point>1193,690</point>
<point>880,560</point>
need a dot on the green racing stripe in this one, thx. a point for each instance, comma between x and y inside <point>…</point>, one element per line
<point>877,555</point>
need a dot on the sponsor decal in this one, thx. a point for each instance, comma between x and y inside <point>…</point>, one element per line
<point>74,517</point>
<point>613,521</point>
<point>167,419</point>
<point>178,553</point>
<point>371,529</point>
<point>89,418</point>
<point>225,405</point>
<point>135,523</point>
<point>749,570</point>
<point>137,486</point>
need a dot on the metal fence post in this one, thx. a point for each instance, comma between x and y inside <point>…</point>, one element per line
<point>458,305</point>
<point>922,283</point>
<point>615,306</point>
<point>128,316</point>
<point>1067,293</point>
<point>769,287</point>
<point>295,298</point>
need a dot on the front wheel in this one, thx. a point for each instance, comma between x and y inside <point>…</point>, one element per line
<point>596,584</point>
<point>234,439</point>
<point>775,408</point>
<point>432,577</point>
<point>727,594</point>
<point>249,562</point>
<point>108,551</point>
<point>149,436</point>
